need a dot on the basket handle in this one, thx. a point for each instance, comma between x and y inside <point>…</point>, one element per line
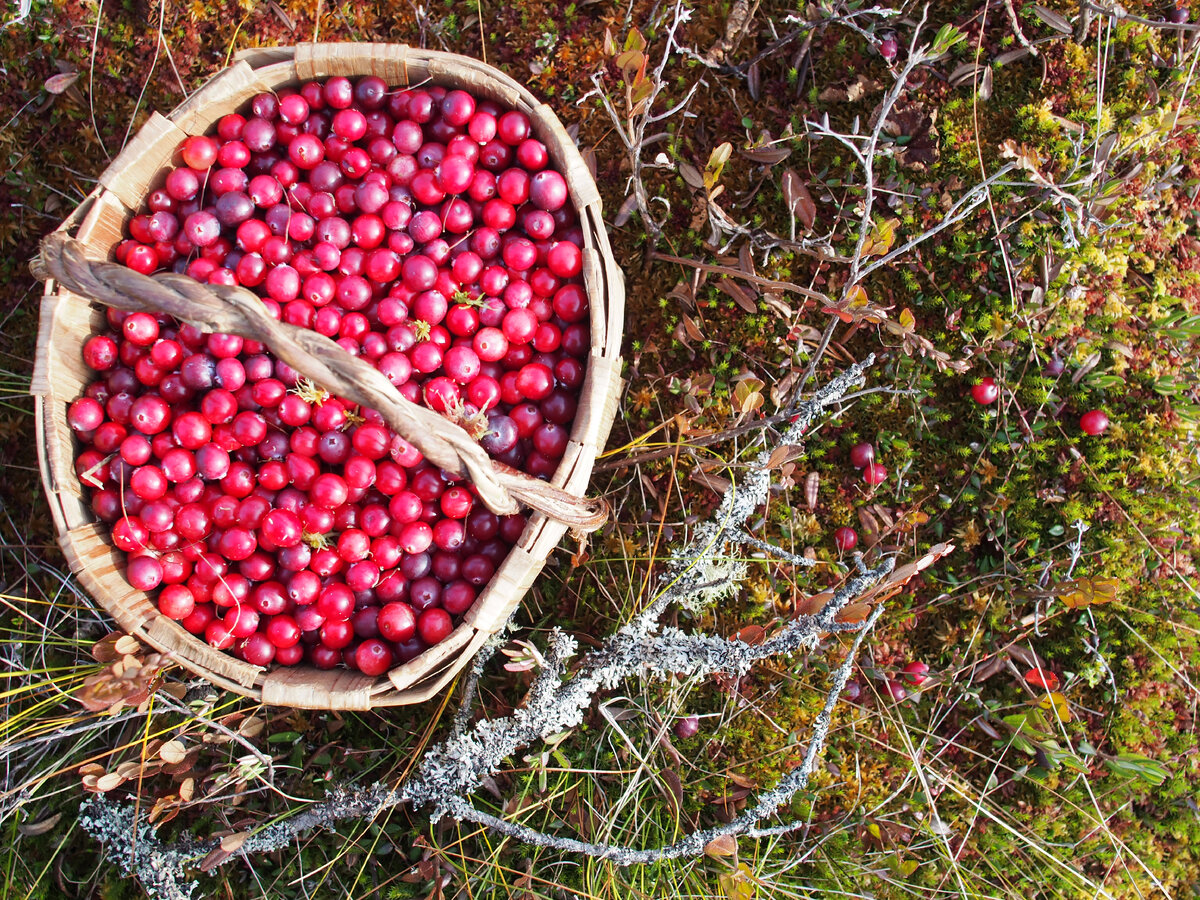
<point>235,310</point>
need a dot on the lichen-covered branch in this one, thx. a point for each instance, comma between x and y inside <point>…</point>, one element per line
<point>708,567</point>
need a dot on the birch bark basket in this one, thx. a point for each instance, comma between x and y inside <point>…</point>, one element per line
<point>79,278</point>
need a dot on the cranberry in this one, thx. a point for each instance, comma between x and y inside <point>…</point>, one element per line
<point>985,392</point>
<point>875,474</point>
<point>1094,422</point>
<point>862,455</point>
<point>845,539</point>
<point>687,727</point>
<point>916,672</point>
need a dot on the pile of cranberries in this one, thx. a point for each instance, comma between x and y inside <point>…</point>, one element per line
<point>427,233</point>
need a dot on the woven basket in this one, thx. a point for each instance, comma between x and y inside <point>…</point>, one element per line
<point>68,318</point>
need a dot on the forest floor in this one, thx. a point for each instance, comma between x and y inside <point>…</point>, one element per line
<point>1052,750</point>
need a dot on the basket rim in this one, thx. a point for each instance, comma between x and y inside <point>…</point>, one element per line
<point>306,686</point>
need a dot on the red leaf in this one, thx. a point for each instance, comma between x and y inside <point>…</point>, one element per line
<point>1041,678</point>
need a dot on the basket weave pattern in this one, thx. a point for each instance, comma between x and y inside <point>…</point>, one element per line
<point>67,319</point>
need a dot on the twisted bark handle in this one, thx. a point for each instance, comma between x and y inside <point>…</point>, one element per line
<point>235,310</point>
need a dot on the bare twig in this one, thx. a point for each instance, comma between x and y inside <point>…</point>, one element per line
<point>1117,12</point>
<point>632,129</point>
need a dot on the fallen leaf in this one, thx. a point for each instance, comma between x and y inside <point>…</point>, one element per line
<point>812,488</point>
<point>811,606</point>
<point>741,296</point>
<point>625,211</point>
<point>850,92</point>
<point>231,843</point>
<point>1051,18</point>
<point>56,84</point>
<point>853,613</point>
<point>913,126</point>
<point>725,845</point>
<point>692,329</point>
<point>754,635</point>
<point>738,884</point>
<point>33,829</point>
<point>1057,703</point>
<point>691,175</point>
<point>767,155</point>
<point>1040,678</point>
<point>799,200</point>
<point>712,482</point>
<point>1081,592</point>
<point>747,395</point>
<point>783,454</point>
<point>988,669</point>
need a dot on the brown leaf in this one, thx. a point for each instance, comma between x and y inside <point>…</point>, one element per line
<point>173,752</point>
<point>33,829</point>
<point>675,786</point>
<point>625,211</point>
<point>712,482</point>
<point>988,669</point>
<point>56,84</point>
<point>851,92</point>
<point>589,160</point>
<point>853,612</point>
<point>214,859</point>
<point>691,175</point>
<point>746,259</point>
<point>231,843</point>
<point>1012,55</point>
<point>747,395</point>
<point>900,576</point>
<point>913,126</point>
<point>870,526</point>
<point>1025,156</point>
<point>114,646</point>
<point>964,73</point>
<point>1051,18</point>
<point>799,200</point>
<point>725,845</point>
<point>742,781</point>
<point>740,294</point>
<point>1026,656</point>
<point>812,487</point>
<point>754,635</point>
<point>783,454</point>
<point>280,13</point>
<point>692,329</point>
<point>985,84</point>
<point>811,606</point>
<point>766,155</point>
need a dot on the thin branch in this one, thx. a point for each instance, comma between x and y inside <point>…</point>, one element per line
<point>1118,13</point>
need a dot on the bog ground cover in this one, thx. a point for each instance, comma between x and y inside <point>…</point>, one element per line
<point>997,200</point>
